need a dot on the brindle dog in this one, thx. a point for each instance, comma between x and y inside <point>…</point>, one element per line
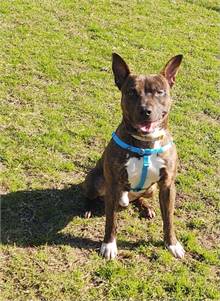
<point>145,107</point>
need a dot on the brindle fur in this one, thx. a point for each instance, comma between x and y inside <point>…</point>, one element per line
<point>109,178</point>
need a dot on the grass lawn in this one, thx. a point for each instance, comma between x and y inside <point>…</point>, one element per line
<point>59,106</point>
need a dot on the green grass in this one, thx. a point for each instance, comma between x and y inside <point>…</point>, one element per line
<point>59,106</point>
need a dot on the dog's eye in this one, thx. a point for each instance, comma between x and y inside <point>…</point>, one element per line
<point>132,92</point>
<point>160,93</point>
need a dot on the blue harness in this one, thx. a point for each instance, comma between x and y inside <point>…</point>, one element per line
<point>142,152</point>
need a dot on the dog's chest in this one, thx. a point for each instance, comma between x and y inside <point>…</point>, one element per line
<point>134,168</point>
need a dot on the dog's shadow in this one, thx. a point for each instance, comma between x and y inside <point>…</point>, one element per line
<point>36,217</point>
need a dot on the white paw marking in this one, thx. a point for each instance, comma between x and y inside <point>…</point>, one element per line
<point>87,214</point>
<point>109,250</point>
<point>151,213</point>
<point>124,200</point>
<point>176,250</point>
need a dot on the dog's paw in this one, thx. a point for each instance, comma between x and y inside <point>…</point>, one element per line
<point>88,214</point>
<point>109,250</point>
<point>124,200</point>
<point>145,210</point>
<point>148,212</point>
<point>176,250</point>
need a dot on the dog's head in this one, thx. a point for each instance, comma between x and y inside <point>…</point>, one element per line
<point>145,100</point>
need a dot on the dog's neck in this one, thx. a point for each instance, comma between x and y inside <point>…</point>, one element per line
<point>157,134</point>
<point>148,141</point>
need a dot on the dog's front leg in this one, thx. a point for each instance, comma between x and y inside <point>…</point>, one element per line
<point>167,195</point>
<point>109,246</point>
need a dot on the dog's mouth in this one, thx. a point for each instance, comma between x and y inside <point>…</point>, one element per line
<point>148,127</point>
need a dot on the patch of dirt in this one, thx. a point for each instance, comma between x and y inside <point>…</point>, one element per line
<point>4,189</point>
<point>209,117</point>
<point>181,197</point>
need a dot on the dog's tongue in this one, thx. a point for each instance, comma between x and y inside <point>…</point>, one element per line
<point>147,127</point>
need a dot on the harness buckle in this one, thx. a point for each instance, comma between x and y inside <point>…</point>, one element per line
<point>141,152</point>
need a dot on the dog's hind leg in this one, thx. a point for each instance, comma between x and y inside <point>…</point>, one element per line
<point>144,208</point>
<point>94,187</point>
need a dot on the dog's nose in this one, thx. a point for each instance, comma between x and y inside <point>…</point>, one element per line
<point>148,112</point>
<point>145,111</point>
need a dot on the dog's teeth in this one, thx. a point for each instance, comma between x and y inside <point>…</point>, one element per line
<point>176,250</point>
<point>109,250</point>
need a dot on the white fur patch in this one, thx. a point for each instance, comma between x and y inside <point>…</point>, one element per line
<point>134,169</point>
<point>176,250</point>
<point>151,136</point>
<point>124,200</point>
<point>109,250</point>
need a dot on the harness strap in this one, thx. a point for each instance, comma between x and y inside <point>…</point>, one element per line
<point>142,152</point>
<point>140,185</point>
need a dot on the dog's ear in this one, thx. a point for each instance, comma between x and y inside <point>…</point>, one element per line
<point>120,70</point>
<point>171,69</point>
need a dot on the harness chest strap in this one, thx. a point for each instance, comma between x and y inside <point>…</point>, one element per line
<point>142,152</point>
